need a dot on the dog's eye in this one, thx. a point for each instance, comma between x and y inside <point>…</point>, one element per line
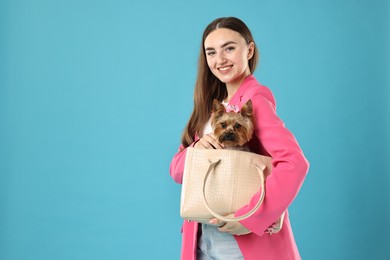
<point>223,125</point>
<point>237,126</point>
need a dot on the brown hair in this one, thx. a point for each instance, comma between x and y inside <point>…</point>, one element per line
<point>207,86</point>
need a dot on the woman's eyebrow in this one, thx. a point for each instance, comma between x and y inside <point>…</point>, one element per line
<point>222,46</point>
<point>227,43</point>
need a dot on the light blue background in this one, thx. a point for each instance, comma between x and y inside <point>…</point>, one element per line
<point>94,96</point>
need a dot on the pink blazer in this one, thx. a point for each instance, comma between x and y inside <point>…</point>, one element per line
<point>289,170</point>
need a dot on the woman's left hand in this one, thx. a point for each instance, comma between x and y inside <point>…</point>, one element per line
<point>234,228</point>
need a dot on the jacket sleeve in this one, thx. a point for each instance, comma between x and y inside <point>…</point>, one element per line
<point>176,168</point>
<point>289,167</point>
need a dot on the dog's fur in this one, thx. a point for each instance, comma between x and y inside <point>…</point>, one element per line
<point>233,130</point>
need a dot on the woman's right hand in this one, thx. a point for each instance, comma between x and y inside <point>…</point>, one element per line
<point>208,141</point>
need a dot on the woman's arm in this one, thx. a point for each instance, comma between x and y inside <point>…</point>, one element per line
<point>176,168</point>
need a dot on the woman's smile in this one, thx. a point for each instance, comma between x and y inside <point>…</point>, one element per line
<point>225,69</point>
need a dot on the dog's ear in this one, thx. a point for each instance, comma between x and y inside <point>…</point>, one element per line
<point>218,108</point>
<point>246,109</point>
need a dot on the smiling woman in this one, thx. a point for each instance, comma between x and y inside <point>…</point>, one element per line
<point>227,60</point>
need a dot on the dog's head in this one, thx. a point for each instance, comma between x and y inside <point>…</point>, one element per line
<point>232,128</point>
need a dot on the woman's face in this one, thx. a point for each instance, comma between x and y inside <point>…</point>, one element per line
<point>227,55</point>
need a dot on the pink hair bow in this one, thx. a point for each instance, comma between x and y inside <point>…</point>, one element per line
<point>232,108</point>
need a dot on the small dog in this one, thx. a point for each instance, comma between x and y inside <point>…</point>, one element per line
<point>232,127</point>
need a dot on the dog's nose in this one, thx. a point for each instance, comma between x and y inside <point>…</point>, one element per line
<point>229,136</point>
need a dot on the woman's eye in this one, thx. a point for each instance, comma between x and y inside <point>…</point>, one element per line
<point>229,49</point>
<point>210,53</point>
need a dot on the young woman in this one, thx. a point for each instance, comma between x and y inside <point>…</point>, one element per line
<point>228,57</point>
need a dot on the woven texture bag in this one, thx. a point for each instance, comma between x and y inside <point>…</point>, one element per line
<point>218,182</point>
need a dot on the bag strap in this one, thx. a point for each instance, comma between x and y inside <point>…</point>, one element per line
<point>260,169</point>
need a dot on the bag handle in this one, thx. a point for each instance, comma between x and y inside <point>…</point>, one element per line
<point>260,169</point>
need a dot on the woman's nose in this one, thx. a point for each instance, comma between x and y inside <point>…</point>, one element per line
<point>221,58</point>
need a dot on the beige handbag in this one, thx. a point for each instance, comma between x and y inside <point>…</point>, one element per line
<point>218,182</point>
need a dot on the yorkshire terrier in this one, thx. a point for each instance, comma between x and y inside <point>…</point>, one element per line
<point>232,127</point>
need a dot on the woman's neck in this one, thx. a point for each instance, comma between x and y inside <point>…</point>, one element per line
<point>231,90</point>
<point>232,87</point>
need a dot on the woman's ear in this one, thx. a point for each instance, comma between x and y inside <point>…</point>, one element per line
<point>251,50</point>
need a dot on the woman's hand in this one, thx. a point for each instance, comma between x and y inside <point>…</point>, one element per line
<point>208,142</point>
<point>234,228</point>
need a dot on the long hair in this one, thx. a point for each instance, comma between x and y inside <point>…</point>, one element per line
<point>207,86</point>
